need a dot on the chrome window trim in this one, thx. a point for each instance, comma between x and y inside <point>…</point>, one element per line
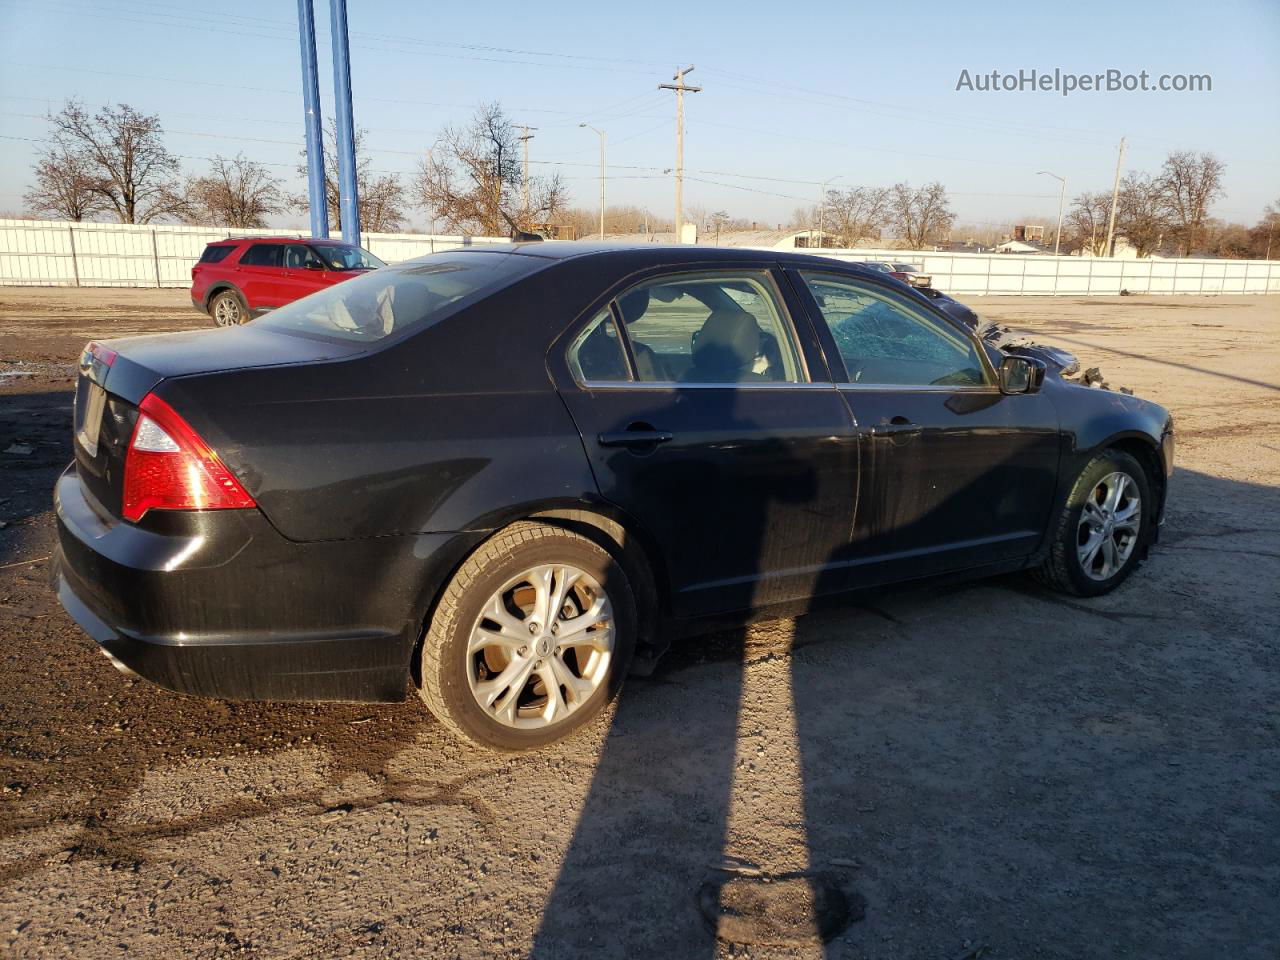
<point>920,388</point>
<point>669,385</point>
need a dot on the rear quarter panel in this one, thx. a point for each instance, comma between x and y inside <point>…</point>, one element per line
<point>450,429</point>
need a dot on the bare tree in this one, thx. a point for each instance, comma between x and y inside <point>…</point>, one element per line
<point>123,151</point>
<point>236,193</point>
<point>1142,216</point>
<point>382,196</point>
<point>803,218</point>
<point>1190,182</point>
<point>1265,237</point>
<point>620,219</point>
<point>857,213</point>
<point>67,186</point>
<point>1086,221</point>
<point>472,179</point>
<point>921,215</point>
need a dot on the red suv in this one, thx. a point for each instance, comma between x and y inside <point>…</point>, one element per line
<point>236,280</point>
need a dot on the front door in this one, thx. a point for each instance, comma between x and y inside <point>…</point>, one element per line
<point>708,416</point>
<point>955,473</point>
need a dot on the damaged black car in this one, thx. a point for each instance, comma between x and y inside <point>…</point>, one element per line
<point>503,477</point>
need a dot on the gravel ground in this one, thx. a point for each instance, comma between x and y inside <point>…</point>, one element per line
<point>985,770</point>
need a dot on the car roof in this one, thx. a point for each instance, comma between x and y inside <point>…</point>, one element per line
<point>215,243</point>
<point>660,253</point>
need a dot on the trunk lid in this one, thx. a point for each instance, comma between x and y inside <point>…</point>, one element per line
<point>108,392</point>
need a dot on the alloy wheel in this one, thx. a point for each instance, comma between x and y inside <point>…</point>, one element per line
<point>226,312</point>
<point>1110,523</point>
<point>541,646</point>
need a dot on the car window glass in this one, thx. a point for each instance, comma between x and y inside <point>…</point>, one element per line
<point>215,254</point>
<point>262,255</point>
<point>382,302</point>
<point>597,355</point>
<point>341,256</point>
<point>297,256</point>
<point>709,328</point>
<point>884,339</point>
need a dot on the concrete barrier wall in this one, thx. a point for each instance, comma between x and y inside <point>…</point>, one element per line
<point>61,253</point>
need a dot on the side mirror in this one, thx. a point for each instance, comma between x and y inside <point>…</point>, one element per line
<point>312,265</point>
<point>1021,375</point>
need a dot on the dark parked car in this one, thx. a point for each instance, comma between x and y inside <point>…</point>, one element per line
<point>906,272</point>
<point>238,279</point>
<point>498,474</point>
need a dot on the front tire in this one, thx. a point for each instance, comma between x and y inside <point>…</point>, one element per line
<point>530,640</point>
<point>1103,530</point>
<point>228,310</point>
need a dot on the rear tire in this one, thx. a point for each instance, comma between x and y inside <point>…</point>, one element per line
<point>530,640</point>
<point>228,309</point>
<point>1102,532</point>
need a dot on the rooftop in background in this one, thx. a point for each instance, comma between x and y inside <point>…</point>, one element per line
<point>774,239</point>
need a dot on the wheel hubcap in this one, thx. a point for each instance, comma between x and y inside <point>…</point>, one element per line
<point>1109,526</point>
<point>540,647</point>
<point>227,312</point>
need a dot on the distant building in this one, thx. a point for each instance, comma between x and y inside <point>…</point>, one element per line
<point>773,239</point>
<point>1017,246</point>
<point>1124,250</point>
<point>1028,233</point>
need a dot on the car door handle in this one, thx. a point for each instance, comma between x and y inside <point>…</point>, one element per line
<point>634,438</point>
<point>898,431</point>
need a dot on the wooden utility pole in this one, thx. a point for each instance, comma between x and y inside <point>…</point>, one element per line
<point>524,182</point>
<point>681,88</point>
<point>1115,196</point>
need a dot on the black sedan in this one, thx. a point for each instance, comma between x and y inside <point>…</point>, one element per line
<point>501,475</point>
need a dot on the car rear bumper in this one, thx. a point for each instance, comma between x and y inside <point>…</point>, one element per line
<point>221,605</point>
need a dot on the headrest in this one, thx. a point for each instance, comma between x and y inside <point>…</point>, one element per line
<point>728,340</point>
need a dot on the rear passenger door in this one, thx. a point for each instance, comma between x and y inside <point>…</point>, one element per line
<point>260,276</point>
<point>708,415</point>
<point>955,473</point>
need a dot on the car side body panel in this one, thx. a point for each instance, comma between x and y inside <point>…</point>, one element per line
<point>377,468</point>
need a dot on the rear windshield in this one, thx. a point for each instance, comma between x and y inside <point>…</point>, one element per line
<point>340,256</point>
<point>394,299</point>
<point>216,254</point>
<point>905,268</point>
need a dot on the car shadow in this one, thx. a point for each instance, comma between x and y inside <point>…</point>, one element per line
<point>873,784</point>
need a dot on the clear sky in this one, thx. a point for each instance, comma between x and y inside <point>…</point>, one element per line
<point>793,93</point>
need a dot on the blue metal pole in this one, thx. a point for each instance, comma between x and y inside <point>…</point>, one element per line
<point>318,200</point>
<point>349,203</point>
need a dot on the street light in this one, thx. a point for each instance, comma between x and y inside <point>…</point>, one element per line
<point>1062,195</point>
<point>601,133</point>
<point>822,205</point>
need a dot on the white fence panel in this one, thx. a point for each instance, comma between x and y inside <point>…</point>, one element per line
<point>59,253</point>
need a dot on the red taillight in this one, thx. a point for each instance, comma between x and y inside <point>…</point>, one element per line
<point>168,467</point>
<point>900,276</point>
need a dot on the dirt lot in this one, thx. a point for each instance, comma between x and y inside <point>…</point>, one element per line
<point>991,768</point>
